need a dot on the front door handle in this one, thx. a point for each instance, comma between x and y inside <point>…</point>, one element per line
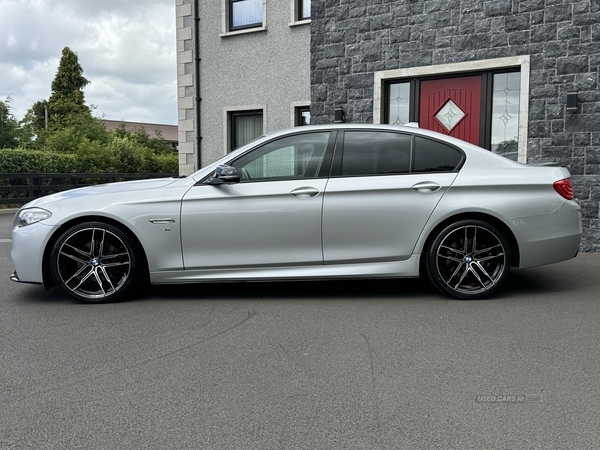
<point>305,192</point>
<point>426,186</point>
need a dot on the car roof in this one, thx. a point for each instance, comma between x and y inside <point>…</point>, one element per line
<point>411,128</point>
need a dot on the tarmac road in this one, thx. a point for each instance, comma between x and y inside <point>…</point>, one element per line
<point>317,365</point>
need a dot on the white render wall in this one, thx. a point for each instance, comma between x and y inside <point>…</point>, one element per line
<point>267,69</point>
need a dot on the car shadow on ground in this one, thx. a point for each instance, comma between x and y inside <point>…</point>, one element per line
<point>276,290</point>
<point>536,281</point>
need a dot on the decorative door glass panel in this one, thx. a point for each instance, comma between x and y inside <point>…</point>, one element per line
<point>399,103</point>
<point>450,115</point>
<point>505,114</point>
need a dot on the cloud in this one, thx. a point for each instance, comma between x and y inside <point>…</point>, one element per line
<point>127,49</point>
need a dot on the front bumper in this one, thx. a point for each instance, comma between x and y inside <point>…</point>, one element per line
<point>27,252</point>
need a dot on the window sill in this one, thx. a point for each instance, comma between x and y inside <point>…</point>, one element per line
<point>299,22</point>
<point>246,31</point>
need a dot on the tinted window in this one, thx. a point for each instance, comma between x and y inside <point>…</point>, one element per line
<point>297,156</point>
<point>435,156</point>
<point>375,153</point>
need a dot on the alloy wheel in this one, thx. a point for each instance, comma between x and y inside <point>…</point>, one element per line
<point>93,263</point>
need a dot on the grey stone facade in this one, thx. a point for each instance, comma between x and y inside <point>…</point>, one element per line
<point>352,40</point>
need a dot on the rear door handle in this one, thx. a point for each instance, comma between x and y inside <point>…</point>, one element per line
<point>426,186</point>
<point>305,192</point>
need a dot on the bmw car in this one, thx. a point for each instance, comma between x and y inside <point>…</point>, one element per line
<point>314,202</point>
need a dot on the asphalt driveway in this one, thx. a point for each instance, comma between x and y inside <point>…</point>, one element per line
<point>316,365</point>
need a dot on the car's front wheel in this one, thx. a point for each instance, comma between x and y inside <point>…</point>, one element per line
<point>468,259</point>
<point>94,262</point>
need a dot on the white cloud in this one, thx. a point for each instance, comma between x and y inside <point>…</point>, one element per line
<point>127,50</point>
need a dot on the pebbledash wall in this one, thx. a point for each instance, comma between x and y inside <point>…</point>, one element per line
<point>357,46</point>
<point>265,68</point>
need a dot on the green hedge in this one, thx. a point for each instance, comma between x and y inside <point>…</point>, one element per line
<point>23,161</point>
<point>121,155</point>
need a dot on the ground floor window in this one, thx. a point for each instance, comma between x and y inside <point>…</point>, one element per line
<point>245,126</point>
<point>482,108</point>
<point>302,114</point>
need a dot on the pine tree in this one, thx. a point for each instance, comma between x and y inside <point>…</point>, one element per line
<point>66,104</point>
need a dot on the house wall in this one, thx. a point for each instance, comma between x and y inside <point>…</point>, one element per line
<point>267,69</point>
<point>354,41</point>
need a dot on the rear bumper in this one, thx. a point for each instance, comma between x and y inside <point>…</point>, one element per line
<point>549,238</point>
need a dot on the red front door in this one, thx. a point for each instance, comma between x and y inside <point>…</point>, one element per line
<point>452,106</point>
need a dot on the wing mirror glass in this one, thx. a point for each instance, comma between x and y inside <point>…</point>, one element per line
<point>224,175</point>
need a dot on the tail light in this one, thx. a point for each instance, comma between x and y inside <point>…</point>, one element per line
<point>564,188</point>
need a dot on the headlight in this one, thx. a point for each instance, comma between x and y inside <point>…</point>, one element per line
<point>31,215</point>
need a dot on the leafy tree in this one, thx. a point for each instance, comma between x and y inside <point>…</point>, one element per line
<point>9,127</point>
<point>156,144</point>
<point>33,125</point>
<point>66,104</point>
<point>61,133</point>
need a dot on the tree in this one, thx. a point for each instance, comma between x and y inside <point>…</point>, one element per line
<point>33,125</point>
<point>9,127</point>
<point>66,105</point>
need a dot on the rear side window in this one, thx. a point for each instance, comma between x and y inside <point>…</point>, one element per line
<point>435,156</point>
<point>375,153</point>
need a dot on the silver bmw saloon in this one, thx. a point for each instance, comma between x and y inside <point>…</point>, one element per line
<point>315,202</point>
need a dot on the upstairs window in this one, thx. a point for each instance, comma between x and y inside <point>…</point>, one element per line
<point>245,14</point>
<point>303,9</point>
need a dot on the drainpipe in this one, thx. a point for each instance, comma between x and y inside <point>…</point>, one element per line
<point>197,69</point>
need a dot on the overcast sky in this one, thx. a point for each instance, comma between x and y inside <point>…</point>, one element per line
<point>127,50</point>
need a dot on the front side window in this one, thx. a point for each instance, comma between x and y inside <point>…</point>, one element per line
<point>375,153</point>
<point>245,127</point>
<point>292,157</point>
<point>245,14</point>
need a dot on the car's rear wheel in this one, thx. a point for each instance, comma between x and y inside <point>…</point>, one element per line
<point>94,262</point>
<point>469,259</point>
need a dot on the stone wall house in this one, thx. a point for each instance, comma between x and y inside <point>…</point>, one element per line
<point>519,77</point>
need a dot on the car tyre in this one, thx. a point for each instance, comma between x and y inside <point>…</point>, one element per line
<point>469,259</point>
<point>94,262</point>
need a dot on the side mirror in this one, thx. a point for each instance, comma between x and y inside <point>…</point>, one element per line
<point>224,175</point>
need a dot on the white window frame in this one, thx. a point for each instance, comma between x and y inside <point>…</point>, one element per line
<point>225,21</point>
<point>523,62</point>
<point>295,14</point>
<point>294,110</point>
